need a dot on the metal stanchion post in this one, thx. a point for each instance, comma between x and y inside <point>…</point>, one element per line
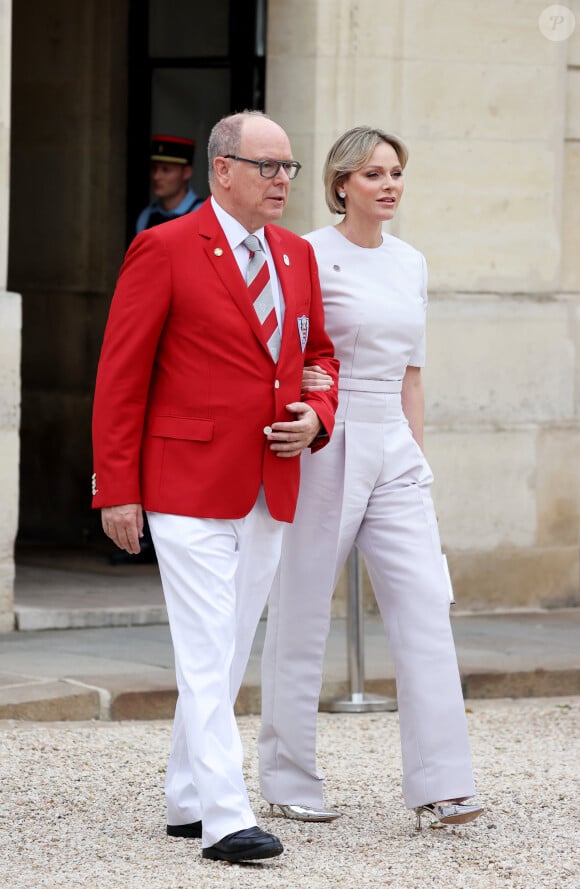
<point>357,701</point>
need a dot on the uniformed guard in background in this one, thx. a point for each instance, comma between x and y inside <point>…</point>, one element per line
<point>170,174</point>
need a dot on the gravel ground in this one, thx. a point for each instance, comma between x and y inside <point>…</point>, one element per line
<point>82,806</point>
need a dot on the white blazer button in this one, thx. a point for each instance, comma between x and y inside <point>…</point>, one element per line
<point>276,384</point>
<point>267,430</point>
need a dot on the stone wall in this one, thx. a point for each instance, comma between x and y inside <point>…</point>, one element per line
<point>490,109</point>
<point>488,106</point>
<point>10,326</point>
<point>67,238</point>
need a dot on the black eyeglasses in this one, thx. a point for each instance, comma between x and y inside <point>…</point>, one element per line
<point>269,169</point>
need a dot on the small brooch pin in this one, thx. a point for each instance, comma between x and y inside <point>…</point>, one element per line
<point>218,251</point>
<point>286,260</point>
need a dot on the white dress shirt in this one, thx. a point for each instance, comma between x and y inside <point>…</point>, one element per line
<point>236,234</point>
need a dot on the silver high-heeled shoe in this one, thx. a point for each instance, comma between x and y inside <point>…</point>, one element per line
<point>448,813</point>
<point>304,813</point>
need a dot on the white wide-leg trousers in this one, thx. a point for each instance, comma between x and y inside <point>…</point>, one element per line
<point>370,486</point>
<point>216,575</point>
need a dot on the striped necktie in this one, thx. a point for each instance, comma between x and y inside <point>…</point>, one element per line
<point>260,290</point>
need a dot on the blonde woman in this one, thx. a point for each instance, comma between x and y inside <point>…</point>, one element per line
<point>370,487</point>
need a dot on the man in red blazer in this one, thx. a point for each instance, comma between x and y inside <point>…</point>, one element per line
<point>199,420</point>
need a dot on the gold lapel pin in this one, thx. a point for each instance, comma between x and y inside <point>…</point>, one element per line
<point>286,260</point>
<point>218,251</point>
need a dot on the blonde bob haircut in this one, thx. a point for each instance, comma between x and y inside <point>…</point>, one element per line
<point>350,153</point>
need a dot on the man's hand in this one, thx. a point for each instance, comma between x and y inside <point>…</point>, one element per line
<point>124,525</point>
<point>290,439</point>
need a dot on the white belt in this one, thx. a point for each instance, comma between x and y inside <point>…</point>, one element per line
<point>353,385</point>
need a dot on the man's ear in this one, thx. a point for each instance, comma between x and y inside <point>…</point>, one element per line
<point>221,169</point>
<point>187,173</point>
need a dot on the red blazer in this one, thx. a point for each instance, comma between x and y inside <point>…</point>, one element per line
<point>186,384</point>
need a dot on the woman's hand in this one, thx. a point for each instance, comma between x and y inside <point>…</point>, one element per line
<point>314,379</point>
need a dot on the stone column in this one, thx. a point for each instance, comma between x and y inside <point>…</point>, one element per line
<point>10,331</point>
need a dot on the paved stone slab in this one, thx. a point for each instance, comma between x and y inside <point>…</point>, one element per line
<point>148,694</point>
<point>8,680</point>
<point>49,702</point>
<point>522,684</point>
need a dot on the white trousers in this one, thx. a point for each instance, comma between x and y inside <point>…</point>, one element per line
<point>216,575</point>
<point>370,486</point>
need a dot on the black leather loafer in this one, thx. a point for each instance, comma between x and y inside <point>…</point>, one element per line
<point>245,845</point>
<point>189,831</point>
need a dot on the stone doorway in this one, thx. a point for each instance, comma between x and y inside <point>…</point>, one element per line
<point>90,83</point>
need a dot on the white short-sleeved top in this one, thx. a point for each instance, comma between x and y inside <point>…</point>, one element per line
<point>375,301</point>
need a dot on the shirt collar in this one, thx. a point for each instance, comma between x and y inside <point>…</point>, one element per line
<point>234,230</point>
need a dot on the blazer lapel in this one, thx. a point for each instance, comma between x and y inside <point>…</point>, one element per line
<point>223,261</point>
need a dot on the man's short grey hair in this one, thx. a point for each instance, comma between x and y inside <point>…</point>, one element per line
<point>226,136</point>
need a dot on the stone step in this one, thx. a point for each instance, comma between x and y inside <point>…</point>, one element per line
<point>127,672</point>
<point>64,593</point>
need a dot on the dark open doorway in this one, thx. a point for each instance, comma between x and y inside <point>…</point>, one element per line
<point>189,64</point>
<point>91,83</point>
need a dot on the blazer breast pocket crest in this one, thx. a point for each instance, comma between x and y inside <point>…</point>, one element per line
<point>303,322</point>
